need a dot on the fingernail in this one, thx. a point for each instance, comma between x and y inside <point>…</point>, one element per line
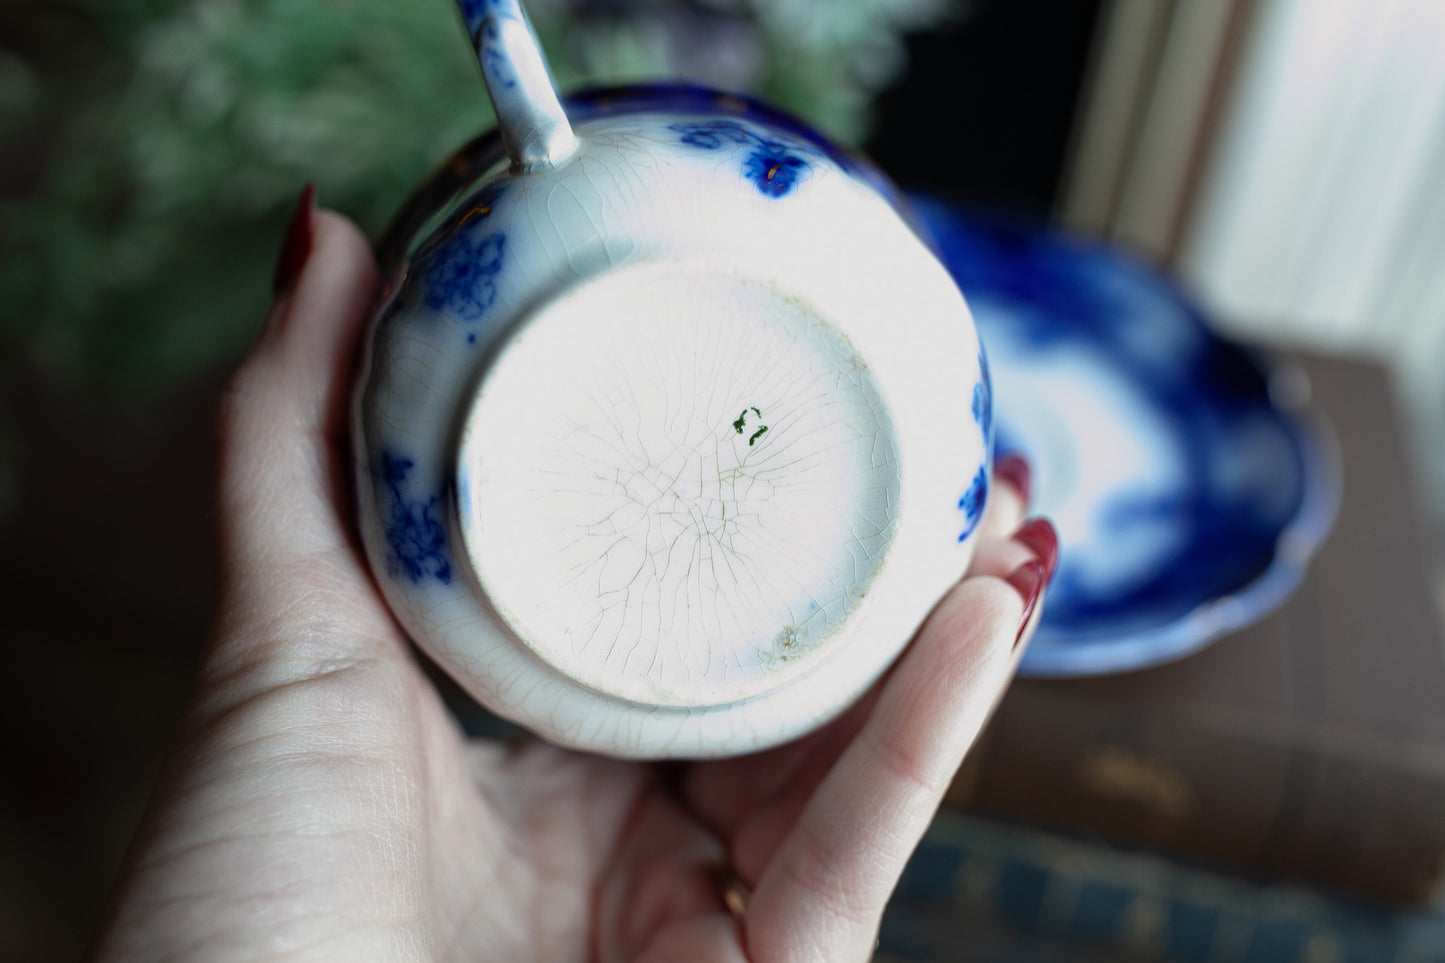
<point>297,246</point>
<point>1014,469</point>
<point>1028,581</point>
<point>1039,536</point>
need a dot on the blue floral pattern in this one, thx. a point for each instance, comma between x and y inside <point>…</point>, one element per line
<point>460,261</point>
<point>495,64</point>
<point>416,539</point>
<point>972,502</point>
<point>774,167</point>
<point>462,280</point>
<point>983,401</point>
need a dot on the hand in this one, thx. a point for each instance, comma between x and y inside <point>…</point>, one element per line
<point>321,803</point>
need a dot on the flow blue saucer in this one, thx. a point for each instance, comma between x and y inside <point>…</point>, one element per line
<point>1189,481</point>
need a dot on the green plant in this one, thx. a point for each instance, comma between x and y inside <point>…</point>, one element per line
<point>174,135</point>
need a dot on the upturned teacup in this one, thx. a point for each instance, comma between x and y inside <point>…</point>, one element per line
<point>670,431</point>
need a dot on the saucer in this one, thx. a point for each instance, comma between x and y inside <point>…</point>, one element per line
<point>1189,481</point>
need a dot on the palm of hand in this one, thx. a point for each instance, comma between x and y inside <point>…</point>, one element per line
<point>322,803</point>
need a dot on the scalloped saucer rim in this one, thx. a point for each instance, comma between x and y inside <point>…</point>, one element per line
<point>991,259</point>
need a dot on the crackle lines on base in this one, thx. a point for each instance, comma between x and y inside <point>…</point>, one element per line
<point>710,527</point>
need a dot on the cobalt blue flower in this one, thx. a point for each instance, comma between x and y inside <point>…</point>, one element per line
<point>712,134</point>
<point>774,167</point>
<point>417,540</point>
<point>774,173</point>
<point>972,501</point>
<point>462,278</point>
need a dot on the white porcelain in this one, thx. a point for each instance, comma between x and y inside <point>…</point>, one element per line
<point>670,431</point>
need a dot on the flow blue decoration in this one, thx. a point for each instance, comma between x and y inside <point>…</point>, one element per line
<point>475,11</point>
<point>486,37</point>
<point>975,499</point>
<point>416,539</point>
<point>1188,500</point>
<point>664,99</point>
<point>972,502</point>
<point>774,168</point>
<point>676,98</point>
<point>494,62</point>
<point>461,270</point>
<point>983,401</point>
<point>462,279</point>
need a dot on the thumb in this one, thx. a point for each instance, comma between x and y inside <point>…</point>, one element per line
<point>295,596</point>
<point>282,469</point>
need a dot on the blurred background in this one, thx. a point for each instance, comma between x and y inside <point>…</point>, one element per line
<point>1284,158</point>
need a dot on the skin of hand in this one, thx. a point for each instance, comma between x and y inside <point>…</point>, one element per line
<point>321,804</point>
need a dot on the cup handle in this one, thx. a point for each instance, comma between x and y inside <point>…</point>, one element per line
<point>534,128</point>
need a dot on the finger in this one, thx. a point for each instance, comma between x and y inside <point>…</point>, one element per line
<point>295,598</point>
<point>283,418</point>
<point>661,880</point>
<point>1008,497</point>
<point>1036,538</point>
<point>832,875</point>
<point>733,794</point>
<point>754,801</point>
<point>792,770</point>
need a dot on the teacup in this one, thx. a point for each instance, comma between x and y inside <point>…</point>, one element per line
<point>670,431</point>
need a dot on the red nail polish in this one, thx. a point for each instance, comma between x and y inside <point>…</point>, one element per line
<point>1038,536</point>
<point>297,246</point>
<point>1014,469</point>
<point>1028,581</point>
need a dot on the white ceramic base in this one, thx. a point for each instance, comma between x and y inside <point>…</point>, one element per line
<point>679,485</point>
